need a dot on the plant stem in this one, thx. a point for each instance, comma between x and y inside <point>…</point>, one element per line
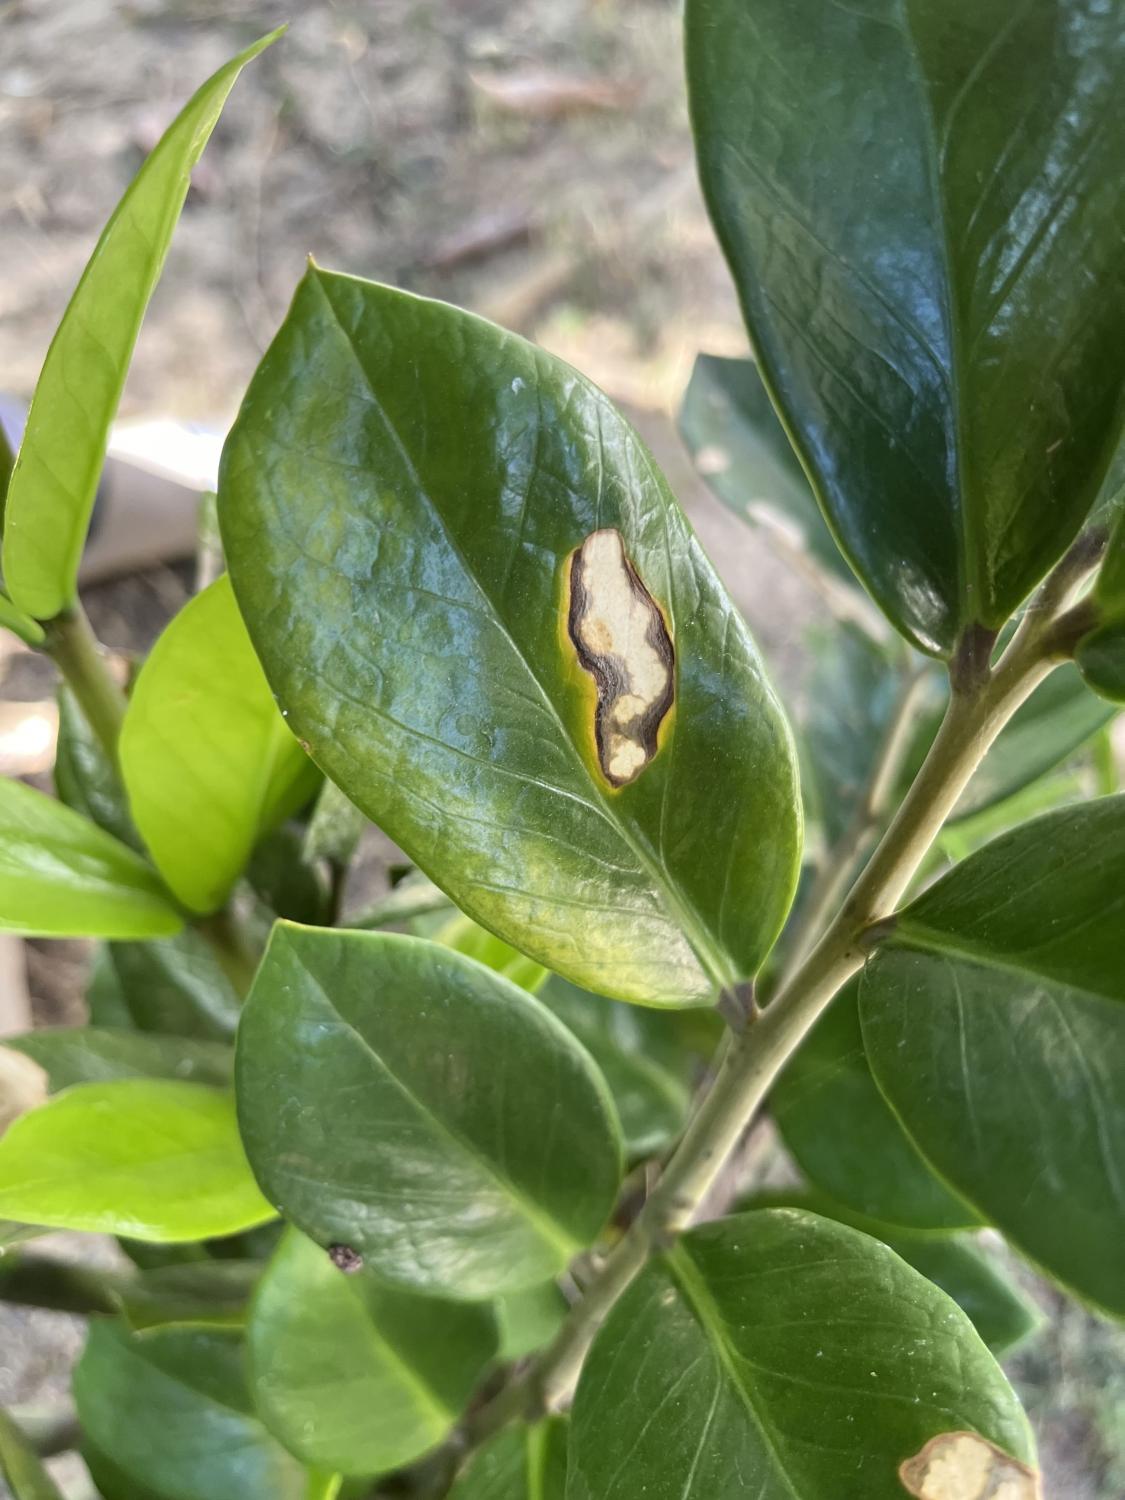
<point>78,656</point>
<point>982,700</point>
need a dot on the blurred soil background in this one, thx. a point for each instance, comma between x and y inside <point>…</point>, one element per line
<point>530,161</point>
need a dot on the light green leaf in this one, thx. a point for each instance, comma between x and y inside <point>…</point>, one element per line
<point>464,935</point>
<point>13,619</point>
<point>208,762</point>
<point>52,488</point>
<point>903,195</point>
<point>528,1320</point>
<point>994,1023</point>
<point>147,1158</point>
<point>414,896</point>
<point>641,1056</point>
<point>353,1375</point>
<point>97,1054</point>
<point>845,1138</point>
<point>169,1415</point>
<point>405,499</point>
<point>403,1101</point>
<point>521,1463</point>
<point>20,1465</point>
<point>61,876</point>
<point>782,1355</point>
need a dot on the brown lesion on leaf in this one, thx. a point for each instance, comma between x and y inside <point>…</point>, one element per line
<point>619,633</point>
<point>965,1466</point>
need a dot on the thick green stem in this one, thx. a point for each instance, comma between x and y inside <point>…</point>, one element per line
<point>78,656</point>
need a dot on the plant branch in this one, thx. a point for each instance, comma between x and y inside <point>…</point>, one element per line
<point>76,652</point>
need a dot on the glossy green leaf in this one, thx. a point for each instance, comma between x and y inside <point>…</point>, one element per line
<point>994,1024</point>
<point>903,192</point>
<point>1100,657</point>
<point>84,777</point>
<point>13,619</point>
<point>529,1320</point>
<point>963,837</point>
<point>286,883</point>
<point>170,1412</point>
<point>464,935</point>
<point>208,762</point>
<point>353,1375</point>
<point>21,1466</point>
<point>779,1354</point>
<point>148,1158</point>
<point>641,1056</point>
<point>999,1311</point>
<point>61,876</point>
<point>744,453</point>
<point>845,1138</point>
<point>177,986</point>
<point>403,499</point>
<point>521,1463</point>
<point>55,478</point>
<point>401,1100</point>
<point>97,1054</point>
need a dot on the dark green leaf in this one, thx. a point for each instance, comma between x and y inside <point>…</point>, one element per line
<point>170,1412</point>
<point>641,1056</point>
<point>903,193</point>
<point>994,1024</point>
<point>61,876</point>
<point>335,827</point>
<point>208,762</point>
<point>96,1054</point>
<point>84,778</point>
<point>1100,657</point>
<point>845,1138</point>
<point>353,1375</point>
<point>779,1354</point>
<point>401,1100</point>
<point>286,882</point>
<point>55,478</point>
<point>529,1320</point>
<point>403,501</point>
<point>21,1467</point>
<point>210,1292</point>
<point>522,1463</point>
<point>743,451</point>
<point>177,986</point>
<point>147,1158</point>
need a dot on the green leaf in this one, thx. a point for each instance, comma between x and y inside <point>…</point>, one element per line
<point>994,1024</point>
<point>353,1375</point>
<point>208,762</point>
<point>171,1413</point>
<point>529,1320</point>
<point>213,1293</point>
<point>97,1054</point>
<point>285,882</point>
<point>903,195</point>
<point>177,986</point>
<point>84,777</point>
<point>21,1467</point>
<point>776,1353</point>
<point>147,1158</point>
<point>521,1463</point>
<point>60,876</point>
<point>744,453</point>
<point>999,1311</point>
<point>55,478</point>
<point>403,1101</point>
<point>417,488</point>
<point>845,1138</point>
<point>1100,657</point>
<point>414,896</point>
<point>464,935</point>
<point>640,1055</point>
<point>13,619</point>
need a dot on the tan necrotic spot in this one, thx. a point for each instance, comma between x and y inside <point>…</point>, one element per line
<point>965,1466</point>
<point>622,641</point>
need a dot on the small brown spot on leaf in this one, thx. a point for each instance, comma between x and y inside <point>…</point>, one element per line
<point>622,641</point>
<point>345,1259</point>
<point>965,1466</point>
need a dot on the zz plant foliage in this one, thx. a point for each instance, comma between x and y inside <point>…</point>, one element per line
<point>450,1209</point>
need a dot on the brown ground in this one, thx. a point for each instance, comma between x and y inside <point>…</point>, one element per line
<point>382,138</point>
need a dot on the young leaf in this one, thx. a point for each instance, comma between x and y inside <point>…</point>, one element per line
<point>147,1158</point>
<point>844,1136</point>
<point>521,1463</point>
<point>641,1056</point>
<point>402,1102</point>
<point>777,1353</point>
<point>994,1023</point>
<point>21,1466</point>
<point>61,876</point>
<point>352,1375</point>
<point>903,197</point>
<point>529,1320</point>
<point>169,1411</point>
<point>52,488</point>
<point>208,762</point>
<point>93,1054</point>
<point>457,527</point>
